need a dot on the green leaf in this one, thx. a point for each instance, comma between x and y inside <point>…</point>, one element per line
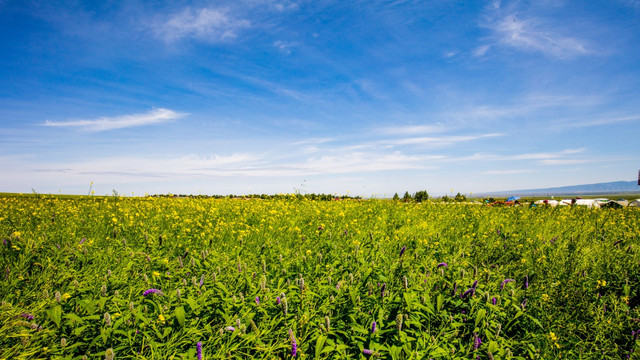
<point>180,315</point>
<point>480,316</point>
<point>55,315</point>
<point>438,352</point>
<point>73,318</point>
<point>535,321</point>
<point>77,331</point>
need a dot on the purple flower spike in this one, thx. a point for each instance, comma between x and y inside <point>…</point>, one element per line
<point>526,281</point>
<point>382,289</point>
<point>476,341</point>
<point>230,328</point>
<point>278,300</point>
<point>505,282</point>
<point>494,300</point>
<point>199,350</point>
<point>455,288</point>
<point>367,352</point>
<point>152,291</point>
<point>404,248</point>
<point>373,327</point>
<point>442,264</point>
<point>82,241</point>
<point>469,292</point>
<point>294,344</point>
<point>257,300</point>
<point>475,283</point>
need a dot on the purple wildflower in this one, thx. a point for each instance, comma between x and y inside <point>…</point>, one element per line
<point>202,280</point>
<point>278,300</point>
<point>82,241</point>
<point>404,248</point>
<point>230,328</point>
<point>476,341</point>
<point>524,303</point>
<point>471,291</point>
<point>257,300</point>
<point>4,242</point>
<point>373,327</point>
<point>382,289</point>
<point>27,316</point>
<point>152,291</point>
<point>367,352</point>
<point>494,300</point>
<point>475,283</point>
<point>294,344</point>
<point>505,282</point>
<point>442,264</point>
<point>526,281</point>
<point>455,288</point>
<point>199,350</point>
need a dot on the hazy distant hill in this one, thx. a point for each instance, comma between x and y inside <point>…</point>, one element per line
<point>600,188</point>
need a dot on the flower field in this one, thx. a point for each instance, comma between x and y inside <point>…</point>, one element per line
<point>162,278</point>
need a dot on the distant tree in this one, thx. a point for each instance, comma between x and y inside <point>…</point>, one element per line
<point>421,196</point>
<point>407,196</point>
<point>460,198</point>
<point>445,198</point>
<point>396,197</point>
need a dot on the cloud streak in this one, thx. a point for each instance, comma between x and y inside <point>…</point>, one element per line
<point>126,121</point>
<point>206,24</point>
<point>530,34</point>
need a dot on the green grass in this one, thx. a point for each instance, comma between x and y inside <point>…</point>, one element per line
<point>581,264</point>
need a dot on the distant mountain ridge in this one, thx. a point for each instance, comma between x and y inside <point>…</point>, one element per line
<point>615,187</point>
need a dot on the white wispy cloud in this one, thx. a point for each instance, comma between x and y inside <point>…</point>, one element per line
<point>547,155</point>
<point>154,116</point>
<point>507,172</point>
<point>600,120</point>
<point>562,161</point>
<point>530,33</point>
<point>205,24</point>
<point>238,165</point>
<point>440,140</point>
<point>413,129</point>
<point>284,46</point>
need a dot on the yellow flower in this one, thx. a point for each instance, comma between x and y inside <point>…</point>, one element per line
<point>65,296</point>
<point>155,273</point>
<point>161,318</point>
<point>545,297</point>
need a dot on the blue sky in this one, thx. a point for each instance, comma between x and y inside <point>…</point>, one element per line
<point>276,96</point>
